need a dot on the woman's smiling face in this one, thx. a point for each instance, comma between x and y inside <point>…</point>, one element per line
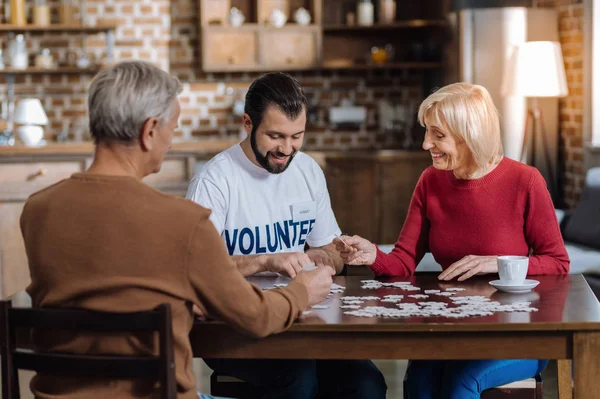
<point>448,151</point>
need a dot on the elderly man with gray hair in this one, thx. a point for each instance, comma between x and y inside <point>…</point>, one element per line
<point>103,240</point>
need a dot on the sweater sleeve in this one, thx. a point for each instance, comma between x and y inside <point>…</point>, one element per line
<point>548,252</point>
<point>412,242</point>
<point>222,292</point>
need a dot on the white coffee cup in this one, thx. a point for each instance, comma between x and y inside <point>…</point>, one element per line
<point>513,269</point>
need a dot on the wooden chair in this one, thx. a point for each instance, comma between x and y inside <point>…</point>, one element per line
<point>231,387</point>
<point>531,388</point>
<point>161,367</point>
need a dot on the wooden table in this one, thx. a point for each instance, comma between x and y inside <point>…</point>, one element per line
<point>567,326</point>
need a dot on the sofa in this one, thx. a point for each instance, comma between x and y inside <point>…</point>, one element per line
<point>580,228</point>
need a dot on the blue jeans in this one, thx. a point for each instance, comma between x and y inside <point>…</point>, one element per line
<point>465,379</point>
<point>205,396</point>
<point>302,379</point>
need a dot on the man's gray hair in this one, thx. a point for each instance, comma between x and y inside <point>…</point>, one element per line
<point>124,96</point>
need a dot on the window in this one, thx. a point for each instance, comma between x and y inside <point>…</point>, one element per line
<point>591,70</point>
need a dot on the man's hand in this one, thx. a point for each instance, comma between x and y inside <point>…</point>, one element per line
<point>326,255</point>
<point>356,250</point>
<point>469,266</point>
<point>317,282</point>
<point>286,263</point>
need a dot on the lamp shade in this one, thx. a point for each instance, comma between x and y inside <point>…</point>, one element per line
<point>29,111</point>
<point>535,69</point>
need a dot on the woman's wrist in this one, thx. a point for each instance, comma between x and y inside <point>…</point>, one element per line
<point>373,252</point>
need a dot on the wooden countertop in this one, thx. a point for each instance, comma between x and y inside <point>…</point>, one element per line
<point>206,147</point>
<point>380,155</point>
<point>87,148</point>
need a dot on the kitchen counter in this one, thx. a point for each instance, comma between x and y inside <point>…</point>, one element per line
<point>87,148</point>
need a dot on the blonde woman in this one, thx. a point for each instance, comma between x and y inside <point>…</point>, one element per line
<point>473,205</point>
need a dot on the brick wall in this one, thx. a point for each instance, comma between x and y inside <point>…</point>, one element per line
<point>165,32</point>
<point>571,16</point>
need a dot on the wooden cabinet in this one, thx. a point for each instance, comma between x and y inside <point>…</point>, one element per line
<point>257,45</point>
<point>290,49</point>
<point>18,180</point>
<point>370,192</point>
<point>228,49</point>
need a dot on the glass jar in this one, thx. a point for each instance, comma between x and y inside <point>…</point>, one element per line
<point>365,12</point>
<point>66,13</point>
<point>44,59</point>
<point>41,13</point>
<point>387,11</point>
<point>17,52</point>
<point>17,12</point>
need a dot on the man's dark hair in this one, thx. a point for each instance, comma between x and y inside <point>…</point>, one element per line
<point>276,89</point>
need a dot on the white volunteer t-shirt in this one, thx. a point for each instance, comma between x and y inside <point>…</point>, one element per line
<point>260,212</point>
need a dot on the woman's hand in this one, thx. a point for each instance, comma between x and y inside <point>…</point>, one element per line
<point>469,266</point>
<point>355,250</point>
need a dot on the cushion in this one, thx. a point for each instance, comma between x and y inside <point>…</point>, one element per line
<point>583,259</point>
<point>583,226</point>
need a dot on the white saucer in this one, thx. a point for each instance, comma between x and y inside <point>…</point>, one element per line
<point>527,286</point>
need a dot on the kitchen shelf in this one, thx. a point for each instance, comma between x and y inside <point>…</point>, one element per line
<point>394,65</point>
<point>56,28</point>
<point>59,70</point>
<point>408,24</point>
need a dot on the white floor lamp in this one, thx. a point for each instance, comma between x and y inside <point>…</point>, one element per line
<point>536,69</point>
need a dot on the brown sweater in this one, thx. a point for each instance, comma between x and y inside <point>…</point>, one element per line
<point>111,243</point>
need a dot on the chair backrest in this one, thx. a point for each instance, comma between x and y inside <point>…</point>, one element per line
<point>161,367</point>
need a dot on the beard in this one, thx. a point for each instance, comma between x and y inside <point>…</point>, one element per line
<point>263,160</point>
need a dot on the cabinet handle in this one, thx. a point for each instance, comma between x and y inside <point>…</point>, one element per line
<point>232,60</point>
<point>289,60</point>
<point>41,172</point>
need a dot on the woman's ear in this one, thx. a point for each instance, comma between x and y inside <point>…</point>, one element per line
<point>149,131</point>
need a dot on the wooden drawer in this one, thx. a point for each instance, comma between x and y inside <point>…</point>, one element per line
<point>290,48</point>
<point>24,178</point>
<point>229,49</point>
<point>38,172</point>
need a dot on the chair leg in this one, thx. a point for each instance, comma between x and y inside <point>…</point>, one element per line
<point>565,380</point>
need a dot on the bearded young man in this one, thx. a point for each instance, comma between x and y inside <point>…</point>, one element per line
<point>268,201</point>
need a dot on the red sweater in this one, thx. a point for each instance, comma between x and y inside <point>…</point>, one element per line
<point>507,212</point>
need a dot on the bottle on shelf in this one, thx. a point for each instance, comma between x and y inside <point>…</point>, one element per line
<point>365,13</point>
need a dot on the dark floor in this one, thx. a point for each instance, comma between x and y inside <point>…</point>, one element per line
<point>393,370</point>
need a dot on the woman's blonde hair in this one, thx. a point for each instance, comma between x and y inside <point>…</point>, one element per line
<point>467,111</point>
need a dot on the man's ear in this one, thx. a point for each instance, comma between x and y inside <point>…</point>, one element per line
<point>247,122</point>
<point>149,131</point>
